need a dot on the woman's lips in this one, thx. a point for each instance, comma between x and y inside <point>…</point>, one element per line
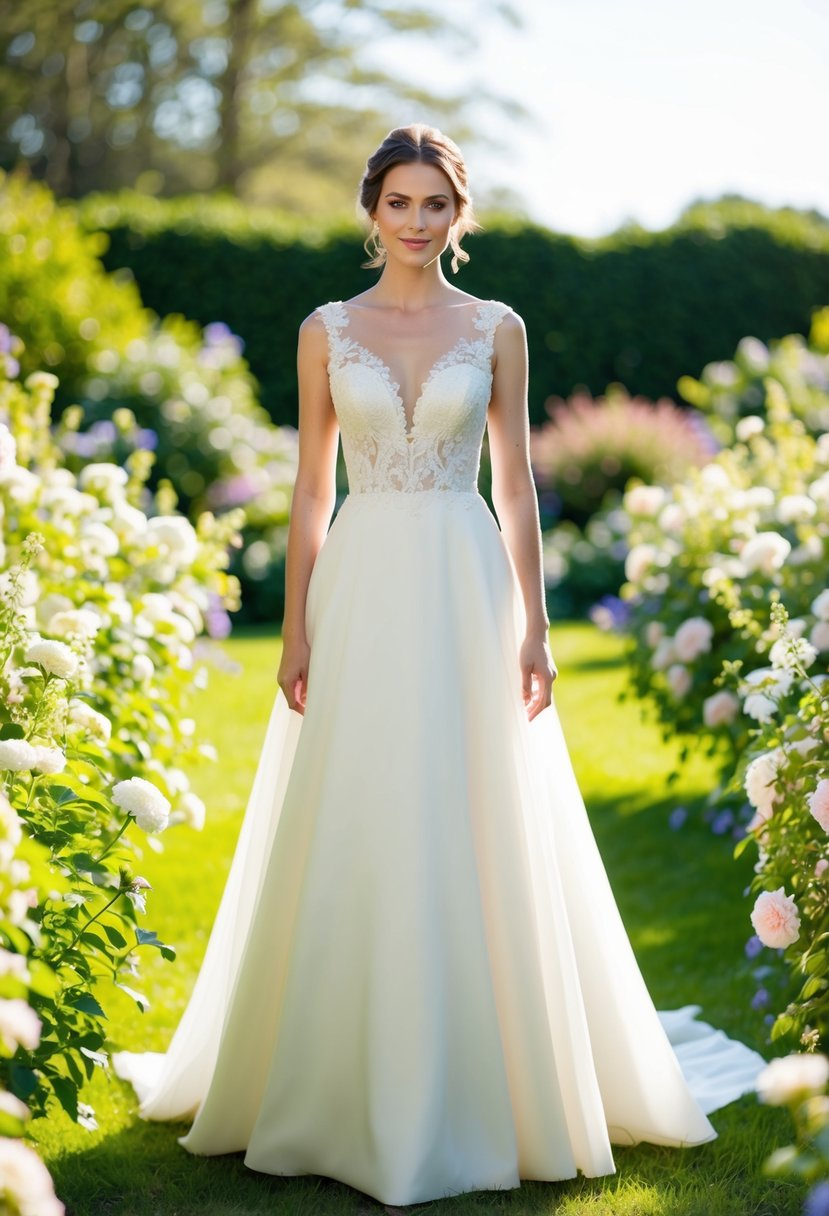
<point>415,244</point>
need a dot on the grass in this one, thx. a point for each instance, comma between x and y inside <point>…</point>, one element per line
<point>680,894</point>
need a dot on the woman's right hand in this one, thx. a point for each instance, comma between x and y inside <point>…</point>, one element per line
<point>292,675</point>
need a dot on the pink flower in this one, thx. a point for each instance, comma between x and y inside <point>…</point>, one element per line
<point>821,867</point>
<point>693,638</point>
<point>720,708</point>
<point>819,804</point>
<point>775,918</point>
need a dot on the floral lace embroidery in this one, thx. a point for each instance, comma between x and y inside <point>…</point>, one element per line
<point>442,449</point>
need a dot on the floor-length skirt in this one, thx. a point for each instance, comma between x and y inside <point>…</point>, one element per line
<point>418,981</point>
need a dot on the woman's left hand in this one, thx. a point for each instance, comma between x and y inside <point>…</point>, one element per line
<point>538,670</point>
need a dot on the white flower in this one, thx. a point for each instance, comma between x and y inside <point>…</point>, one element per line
<point>794,508</point>
<point>50,759</point>
<point>194,810</point>
<point>638,562</point>
<point>17,756</point>
<point>775,919</point>
<point>175,534</point>
<point>143,800</point>
<point>790,1077</point>
<point>10,1105</point>
<point>751,425</point>
<point>820,606</point>
<point>142,668</point>
<point>94,723</point>
<point>714,477</point>
<point>788,651</point>
<point>8,449</point>
<point>109,479</point>
<point>765,552</point>
<point>693,638</point>
<point>819,804</point>
<point>21,484</point>
<point>80,622</point>
<point>760,781</point>
<point>819,489</point>
<point>819,636</point>
<point>13,964</point>
<point>720,708</point>
<point>98,539</point>
<point>672,518</point>
<point>54,657</point>
<point>26,1181</point>
<point>19,1025</point>
<point>645,500</point>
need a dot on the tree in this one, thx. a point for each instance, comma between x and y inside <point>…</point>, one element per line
<point>271,101</point>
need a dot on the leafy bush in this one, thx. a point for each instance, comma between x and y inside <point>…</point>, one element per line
<point>143,383</point>
<point>104,596</point>
<point>584,566</point>
<point>706,557</point>
<point>733,389</point>
<point>785,775</point>
<point>585,456</point>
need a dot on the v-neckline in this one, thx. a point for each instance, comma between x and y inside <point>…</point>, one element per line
<point>394,385</point>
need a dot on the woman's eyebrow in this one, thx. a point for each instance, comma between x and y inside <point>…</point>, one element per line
<point>399,194</point>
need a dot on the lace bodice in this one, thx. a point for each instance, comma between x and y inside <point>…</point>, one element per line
<point>441,449</point>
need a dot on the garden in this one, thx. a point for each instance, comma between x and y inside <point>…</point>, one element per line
<point>145,491</point>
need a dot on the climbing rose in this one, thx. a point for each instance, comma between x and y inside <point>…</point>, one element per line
<point>775,919</point>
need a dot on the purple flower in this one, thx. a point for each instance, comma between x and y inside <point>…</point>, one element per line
<point>760,999</point>
<point>5,339</point>
<point>817,1201</point>
<point>722,823</point>
<point>104,431</point>
<point>234,491</point>
<point>216,332</point>
<point>753,946</point>
<point>677,817</point>
<point>216,620</point>
<point>146,438</point>
<point>610,612</point>
<point>12,367</point>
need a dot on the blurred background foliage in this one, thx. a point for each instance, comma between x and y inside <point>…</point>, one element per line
<point>266,101</point>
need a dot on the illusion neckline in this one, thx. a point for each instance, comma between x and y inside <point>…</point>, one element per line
<point>382,367</point>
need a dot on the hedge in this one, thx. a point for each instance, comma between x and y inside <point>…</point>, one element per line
<point>636,308</point>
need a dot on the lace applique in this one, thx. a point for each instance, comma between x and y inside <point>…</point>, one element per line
<point>442,449</point>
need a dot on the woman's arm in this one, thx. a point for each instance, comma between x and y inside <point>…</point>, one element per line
<point>516,504</point>
<point>312,504</point>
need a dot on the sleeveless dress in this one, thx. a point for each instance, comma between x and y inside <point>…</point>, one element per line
<point>417,980</point>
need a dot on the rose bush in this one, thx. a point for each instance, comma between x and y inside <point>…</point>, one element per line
<point>706,557</point>
<point>103,597</point>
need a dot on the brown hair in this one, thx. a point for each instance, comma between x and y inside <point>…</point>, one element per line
<point>426,145</point>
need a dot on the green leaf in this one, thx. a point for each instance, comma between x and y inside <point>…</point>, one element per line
<point>12,730</point>
<point>10,1126</point>
<point>66,1092</point>
<point>23,1081</point>
<point>114,936</point>
<point>86,1003</point>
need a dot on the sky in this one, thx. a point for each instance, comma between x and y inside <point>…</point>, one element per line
<point>639,107</point>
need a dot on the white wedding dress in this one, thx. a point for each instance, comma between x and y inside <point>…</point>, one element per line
<point>418,981</point>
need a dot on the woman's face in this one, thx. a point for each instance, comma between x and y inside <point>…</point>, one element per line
<point>415,212</point>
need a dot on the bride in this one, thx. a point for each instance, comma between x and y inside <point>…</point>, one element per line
<point>418,981</point>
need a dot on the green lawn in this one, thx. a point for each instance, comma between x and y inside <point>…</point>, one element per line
<point>679,892</point>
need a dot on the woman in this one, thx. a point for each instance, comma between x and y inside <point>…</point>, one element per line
<point>418,981</point>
